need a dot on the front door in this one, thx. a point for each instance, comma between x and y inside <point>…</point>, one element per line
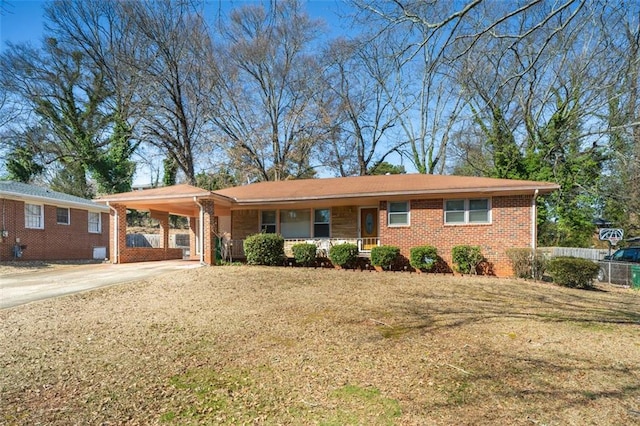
<point>369,227</point>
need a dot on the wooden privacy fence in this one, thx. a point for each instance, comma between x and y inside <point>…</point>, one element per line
<point>153,240</point>
<point>584,253</point>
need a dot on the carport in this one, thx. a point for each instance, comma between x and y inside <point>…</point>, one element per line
<point>200,206</point>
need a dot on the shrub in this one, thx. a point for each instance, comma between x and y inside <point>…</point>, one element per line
<point>423,257</point>
<point>527,264</point>
<point>573,272</point>
<point>304,253</point>
<point>343,255</point>
<point>466,258</point>
<point>264,249</point>
<point>384,256</point>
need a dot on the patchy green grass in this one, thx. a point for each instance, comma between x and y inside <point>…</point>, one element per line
<point>254,345</point>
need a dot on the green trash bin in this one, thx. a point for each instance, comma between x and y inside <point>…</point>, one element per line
<point>635,277</point>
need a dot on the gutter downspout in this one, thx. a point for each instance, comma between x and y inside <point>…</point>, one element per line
<point>116,237</point>
<point>200,230</point>
<point>534,232</point>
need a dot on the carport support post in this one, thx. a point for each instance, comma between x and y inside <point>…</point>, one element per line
<point>117,231</point>
<point>209,231</point>
<point>194,248</point>
<point>163,219</point>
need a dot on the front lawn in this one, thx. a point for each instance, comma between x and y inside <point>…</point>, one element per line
<point>257,345</point>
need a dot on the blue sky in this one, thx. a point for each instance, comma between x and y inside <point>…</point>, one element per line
<point>21,21</point>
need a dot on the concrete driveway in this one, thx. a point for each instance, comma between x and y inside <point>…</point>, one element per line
<point>21,288</point>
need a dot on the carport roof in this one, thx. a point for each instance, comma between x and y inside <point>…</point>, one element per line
<point>176,199</point>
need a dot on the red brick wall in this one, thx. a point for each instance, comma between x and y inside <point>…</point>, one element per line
<point>510,227</point>
<point>210,228</point>
<point>146,254</point>
<point>55,241</point>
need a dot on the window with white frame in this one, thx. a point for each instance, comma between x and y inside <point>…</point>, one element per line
<point>321,226</point>
<point>95,223</point>
<point>33,216</point>
<point>62,216</point>
<point>295,223</point>
<point>398,213</point>
<point>268,221</point>
<point>474,210</point>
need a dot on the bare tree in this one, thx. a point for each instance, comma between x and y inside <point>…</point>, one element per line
<point>264,103</point>
<point>620,27</point>
<point>363,85</point>
<point>171,57</point>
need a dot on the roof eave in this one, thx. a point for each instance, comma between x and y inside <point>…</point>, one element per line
<point>54,201</point>
<point>482,190</point>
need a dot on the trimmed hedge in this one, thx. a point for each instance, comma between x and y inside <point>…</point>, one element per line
<point>384,256</point>
<point>526,263</point>
<point>264,249</point>
<point>467,258</point>
<point>423,257</point>
<point>304,253</point>
<point>344,255</point>
<point>573,272</point>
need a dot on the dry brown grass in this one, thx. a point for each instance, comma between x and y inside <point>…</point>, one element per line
<point>252,345</point>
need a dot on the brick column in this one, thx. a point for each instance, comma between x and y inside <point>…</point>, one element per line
<point>209,225</point>
<point>163,218</point>
<point>193,232</point>
<point>118,223</point>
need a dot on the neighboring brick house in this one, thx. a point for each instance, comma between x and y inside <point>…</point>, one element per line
<point>401,210</point>
<point>39,224</point>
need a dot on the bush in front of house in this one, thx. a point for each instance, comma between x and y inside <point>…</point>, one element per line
<point>264,249</point>
<point>526,263</point>
<point>344,255</point>
<point>423,258</point>
<point>304,253</point>
<point>573,272</point>
<point>384,256</point>
<point>467,258</point>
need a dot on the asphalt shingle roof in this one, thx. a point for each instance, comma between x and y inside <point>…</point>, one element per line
<point>380,185</point>
<point>10,188</point>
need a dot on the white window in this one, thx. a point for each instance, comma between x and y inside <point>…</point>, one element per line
<point>321,227</point>
<point>95,223</point>
<point>62,216</point>
<point>33,216</point>
<point>399,213</point>
<point>268,221</point>
<point>295,223</point>
<point>475,210</point>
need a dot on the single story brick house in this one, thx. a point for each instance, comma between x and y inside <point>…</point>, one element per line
<point>40,224</point>
<point>401,210</point>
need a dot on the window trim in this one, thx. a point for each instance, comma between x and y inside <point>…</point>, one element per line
<point>314,223</point>
<point>27,225</point>
<point>406,213</point>
<point>68,222</point>
<point>99,223</point>
<point>467,211</point>
<point>274,224</point>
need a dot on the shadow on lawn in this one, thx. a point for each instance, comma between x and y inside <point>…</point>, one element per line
<point>431,310</point>
<point>523,383</point>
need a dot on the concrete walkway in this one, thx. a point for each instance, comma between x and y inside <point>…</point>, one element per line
<point>25,287</point>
